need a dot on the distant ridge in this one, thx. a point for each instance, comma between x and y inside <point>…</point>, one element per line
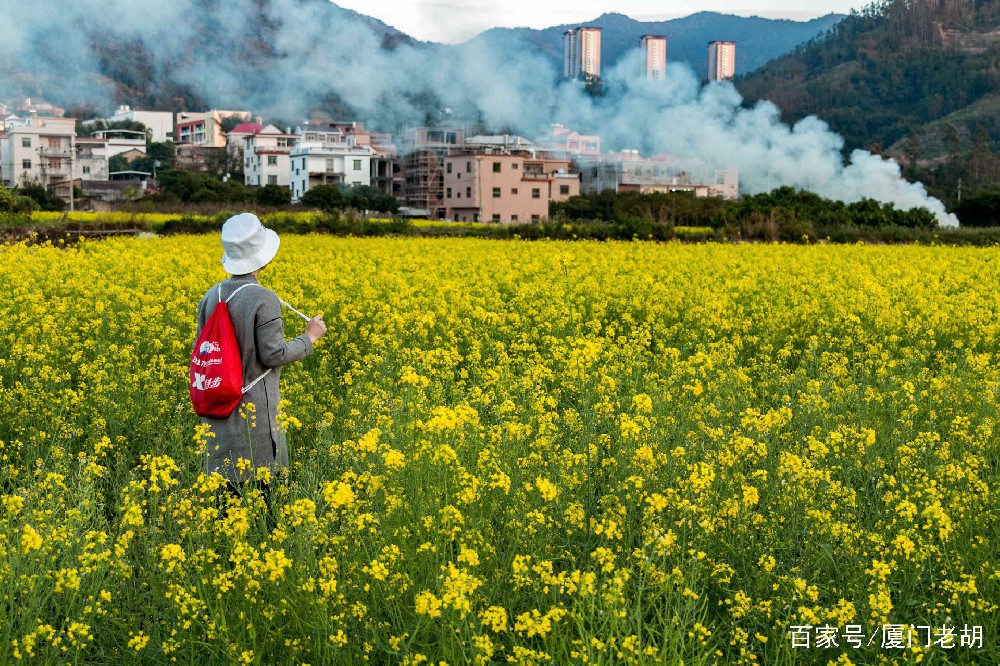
<point>759,40</point>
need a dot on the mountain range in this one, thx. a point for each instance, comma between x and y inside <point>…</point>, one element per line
<point>917,80</point>
<point>758,40</point>
<point>157,57</point>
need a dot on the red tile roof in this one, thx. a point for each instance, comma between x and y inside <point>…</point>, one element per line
<point>247,128</point>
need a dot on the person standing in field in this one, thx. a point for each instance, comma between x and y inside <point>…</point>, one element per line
<point>250,437</point>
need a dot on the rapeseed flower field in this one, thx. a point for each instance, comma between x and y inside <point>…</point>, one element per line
<point>615,453</point>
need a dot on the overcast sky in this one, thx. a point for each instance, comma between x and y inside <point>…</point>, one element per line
<point>453,21</point>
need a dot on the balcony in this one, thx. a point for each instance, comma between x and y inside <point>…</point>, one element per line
<point>55,152</point>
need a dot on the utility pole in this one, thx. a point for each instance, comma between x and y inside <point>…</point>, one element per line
<point>959,190</point>
<point>72,180</point>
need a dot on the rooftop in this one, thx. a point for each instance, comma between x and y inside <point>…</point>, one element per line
<point>247,128</point>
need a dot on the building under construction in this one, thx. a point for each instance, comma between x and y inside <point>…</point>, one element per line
<point>423,153</point>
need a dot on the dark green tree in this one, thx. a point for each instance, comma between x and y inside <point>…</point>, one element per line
<point>273,195</point>
<point>323,197</point>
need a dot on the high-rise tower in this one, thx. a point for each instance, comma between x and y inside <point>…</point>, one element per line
<point>654,57</point>
<point>721,61</point>
<point>582,53</point>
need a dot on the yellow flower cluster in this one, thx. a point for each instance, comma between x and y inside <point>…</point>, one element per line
<point>506,452</point>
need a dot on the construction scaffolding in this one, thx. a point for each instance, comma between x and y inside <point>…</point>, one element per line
<point>424,150</point>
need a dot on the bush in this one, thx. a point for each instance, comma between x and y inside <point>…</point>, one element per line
<point>323,197</point>
<point>41,196</point>
<point>273,195</point>
<point>981,210</point>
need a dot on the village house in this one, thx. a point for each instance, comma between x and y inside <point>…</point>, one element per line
<point>328,157</point>
<point>266,158</point>
<point>505,187</point>
<point>39,151</point>
<point>205,129</point>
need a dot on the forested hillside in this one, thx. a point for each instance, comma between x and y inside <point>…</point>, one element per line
<point>917,79</point>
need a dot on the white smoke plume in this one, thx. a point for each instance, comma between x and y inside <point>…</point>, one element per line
<point>285,57</point>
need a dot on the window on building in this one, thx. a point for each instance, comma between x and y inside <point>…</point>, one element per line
<point>496,192</point>
<point>449,193</point>
<point>468,167</point>
<point>496,167</point>
<point>357,165</point>
<point>513,218</point>
<point>535,218</point>
<point>496,217</point>
<point>720,179</point>
<point>448,167</point>
<point>25,164</point>
<point>330,166</point>
<point>272,180</point>
<point>458,195</point>
<point>26,142</point>
<point>86,170</point>
<point>513,191</point>
<point>564,189</point>
<point>272,160</point>
<point>536,193</point>
<point>468,192</point>
<point>515,165</point>
<point>456,217</point>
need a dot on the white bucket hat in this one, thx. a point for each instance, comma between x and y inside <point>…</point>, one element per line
<point>248,244</point>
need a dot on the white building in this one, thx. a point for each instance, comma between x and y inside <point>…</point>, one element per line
<point>160,123</point>
<point>328,158</point>
<point>91,159</point>
<point>7,120</point>
<point>654,57</point>
<point>121,141</point>
<point>266,158</point>
<point>39,151</point>
<point>721,61</point>
<point>235,138</point>
<point>627,171</point>
<point>582,53</point>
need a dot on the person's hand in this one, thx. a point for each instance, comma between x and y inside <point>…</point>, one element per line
<point>315,328</point>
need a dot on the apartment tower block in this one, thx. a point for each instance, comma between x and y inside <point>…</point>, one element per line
<point>721,61</point>
<point>654,57</point>
<point>582,53</point>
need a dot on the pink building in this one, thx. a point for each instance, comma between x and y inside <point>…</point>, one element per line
<point>561,142</point>
<point>505,188</point>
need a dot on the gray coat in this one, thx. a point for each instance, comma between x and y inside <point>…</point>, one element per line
<point>256,315</point>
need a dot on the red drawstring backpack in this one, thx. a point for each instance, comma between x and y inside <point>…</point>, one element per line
<point>216,365</point>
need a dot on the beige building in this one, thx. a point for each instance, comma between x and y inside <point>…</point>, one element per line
<point>721,61</point>
<point>582,53</point>
<point>505,188</point>
<point>654,57</point>
<point>205,129</point>
<point>39,151</point>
